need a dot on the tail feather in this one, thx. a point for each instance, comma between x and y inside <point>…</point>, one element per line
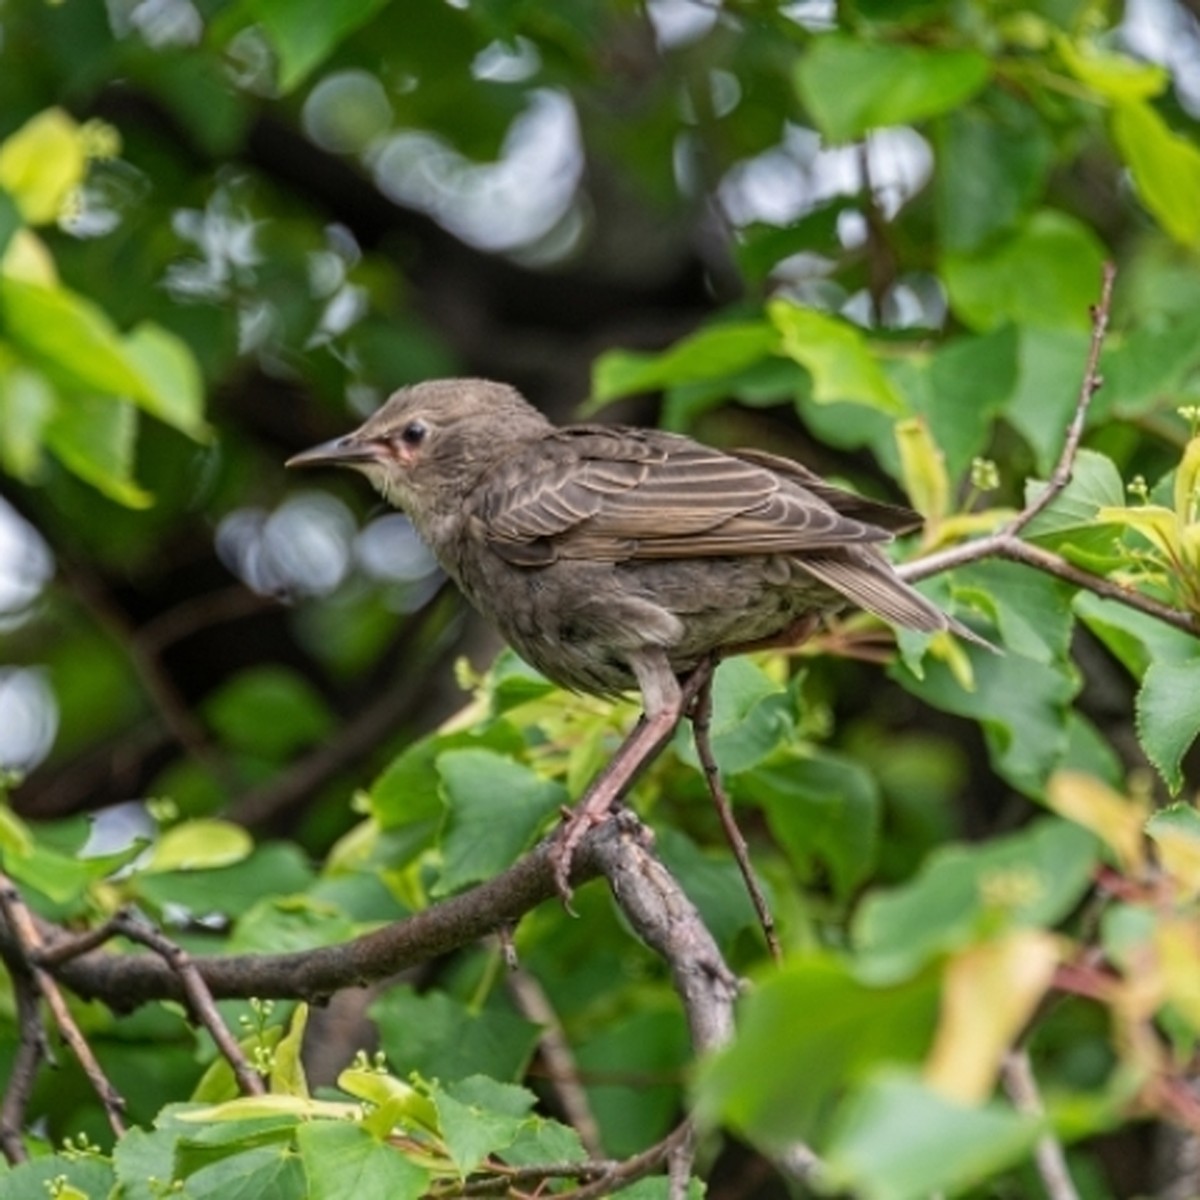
<point>868,581</point>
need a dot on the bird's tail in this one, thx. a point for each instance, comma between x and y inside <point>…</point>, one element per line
<point>868,581</point>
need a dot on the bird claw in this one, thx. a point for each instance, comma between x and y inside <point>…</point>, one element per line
<point>577,823</point>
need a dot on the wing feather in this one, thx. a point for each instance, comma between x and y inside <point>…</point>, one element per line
<point>617,493</point>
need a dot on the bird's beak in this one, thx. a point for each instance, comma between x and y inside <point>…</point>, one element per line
<point>348,451</point>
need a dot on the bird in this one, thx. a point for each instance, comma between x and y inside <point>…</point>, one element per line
<point>615,558</point>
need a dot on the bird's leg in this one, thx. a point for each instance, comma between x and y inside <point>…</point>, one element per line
<point>665,702</point>
<point>701,717</point>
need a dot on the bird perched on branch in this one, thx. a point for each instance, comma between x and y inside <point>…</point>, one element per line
<point>612,557</point>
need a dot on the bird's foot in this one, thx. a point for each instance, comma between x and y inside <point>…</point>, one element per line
<point>577,824</point>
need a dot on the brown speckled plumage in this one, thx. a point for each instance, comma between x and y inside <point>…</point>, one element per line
<point>605,554</point>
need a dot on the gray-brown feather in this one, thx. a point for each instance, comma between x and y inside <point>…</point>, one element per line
<point>590,545</point>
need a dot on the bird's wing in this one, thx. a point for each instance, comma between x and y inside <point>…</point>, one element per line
<point>612,493</point>
<point>893,517</point>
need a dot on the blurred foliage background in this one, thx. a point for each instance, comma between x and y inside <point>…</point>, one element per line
<point>865,234</point>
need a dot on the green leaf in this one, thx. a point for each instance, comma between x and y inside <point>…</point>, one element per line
<point>69,335</point>
<point>305,32</point>
<point>780,1078</point>
<point>964,893</point>
<point>284,924</point>
<point>341,1159</point>
<point>1021,704</point>
<point>1134,638</point>
<point>10,219</point>
<point>751,715</point>
<point>1046,276</point>
<point>172,387</point>
<point>1114,76</point>
<point>544,1141</point>
<point>472,1132</point>
<point>407,795</point>
<point>440,1038</point>
<point>1070,519</point>
<point>634,1062</point>
<point>55,871</point>
<point>76,343</point>
<point>821,809</point>
<point>837,356</point>
<point>277,868</point>
<point>1031,610</point>
<point>899,1140</point>
<point>199,845</point>
<point>92,1178</point>
<point>710,354</point>
<point>142,1155</point>
<point>495,806</point>
<point>263,1171</point>
<point>93,436</point>
<point>993,158</point>
<point>1165,166</point>
<point>26,405</point>
<point>1168,718</point>
<point>851,86</point>
<point>269,711</point>
<point>970,381</point>
<point>712,882</point>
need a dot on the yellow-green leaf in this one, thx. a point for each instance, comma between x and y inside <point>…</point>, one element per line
<point>989,992</point>
<point>400,1101</point>
<point>1114,76</point>
<point>1156,524</point>
<point>249,1108</point>
<point>26,405</point>
<point>837,356</point>
<point>172,389</point>
<point>1117,820</point>
<point>1175,832</point>
<point>93,436</point>
<point>287,1066</point>
<point>923,471</point>
<point>1165,168</point>
<point>42,163</point>
<point>1187,483</point>
<point>196,845</point>
<point>27,260</point>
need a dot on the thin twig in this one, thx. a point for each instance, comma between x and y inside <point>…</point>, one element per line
<point>632,1169</point>
<point>562,1071</point>
<point>31,1050</point>
<point>69,946</point>
<point>28,943</point>
<point>701,728</point>
<point>1021,1086</point>
<point>201,612</point>
<point>1006,541</point>
<point>1089,386</point>
<point>199,998</point>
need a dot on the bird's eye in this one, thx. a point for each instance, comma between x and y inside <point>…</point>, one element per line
<point>413,434</point>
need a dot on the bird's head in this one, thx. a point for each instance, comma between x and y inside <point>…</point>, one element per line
<point>432,440</point>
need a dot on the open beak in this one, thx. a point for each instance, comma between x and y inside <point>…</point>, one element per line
<point>346,451</point>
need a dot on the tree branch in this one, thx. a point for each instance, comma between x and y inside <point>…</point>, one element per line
<point>199,998</point>
<point>31,1050</point>
<point>22,946</point>
<point>562,1072</point>
<point>1021,1086</point>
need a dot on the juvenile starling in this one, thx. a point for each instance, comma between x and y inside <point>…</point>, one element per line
<point>614,558</point>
